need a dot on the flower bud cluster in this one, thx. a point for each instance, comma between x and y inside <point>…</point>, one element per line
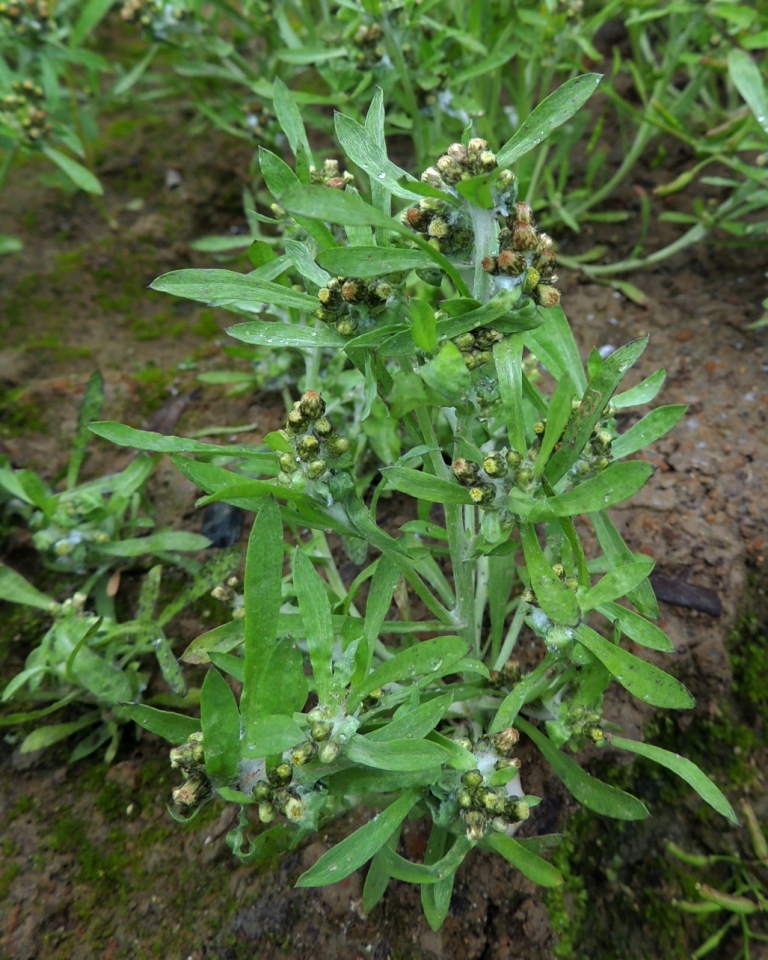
<point>477,347</point>
<point>190,759</point>
<point>525,257</point>
<point>314,441</point>
<point>596,455</point>
<point>27,17</point>
<point>348,304</point>
<point>330,175</point>
<point>584,724</point>
<point>158,16</point>
<point>22,111</point>
<point>277,795</point>
<point>490,483</point>
<point>486,809</point>
<point>368,40</point>
<point>509,675</point>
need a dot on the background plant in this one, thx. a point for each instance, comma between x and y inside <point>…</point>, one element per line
<point>497,470</point>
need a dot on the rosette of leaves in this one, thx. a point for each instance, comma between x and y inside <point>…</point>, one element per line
<point>417,723</point>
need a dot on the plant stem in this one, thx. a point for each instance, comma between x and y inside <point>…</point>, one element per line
<point>484,227</point>
<point>512,634</point>
<point>696,234</point>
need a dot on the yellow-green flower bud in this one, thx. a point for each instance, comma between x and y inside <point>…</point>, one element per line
<point>316,469</point>
<point>474,821</point>
<point>312,405</point>
<point>494,465</point>
<point>328,752</point>
<point>337,446</point>
<point>499,825</point>
<point>323,428</point>
<point>281,775</point>
<point>464,341</point>
<point>524,476</point>
<point>438,228</point>
<point>464,798</point>
<point>266,812</point>
<point>287,463</point>
<point>262,792</point>
<point>307,448</point>
<point>320,730</point>
<point>472,779</point>
<point>303,753</point>
<point>482,494</point>
<point>516,810</point>
<point>514,459</point>
<point>347,327</point>
<point>296,421</point>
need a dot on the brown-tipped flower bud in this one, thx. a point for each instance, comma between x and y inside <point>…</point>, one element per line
<point>312,405</point>
<point>510,263</point>
<point>506,741</point>
<point>523,236</point>
<point>489,264</point>
<point>474,821</point>
<point>307,448</point>
<point>328,751</point>
<point>486,161</point>
<point>316,469</point>
<point>458,152</point>
<point>547,296</point>
<point>450,169</point>
<point>523,213</point>
<point>195,789</point>
<point>511,670</point>
<point>465,471</point>
<point>495,465</point>
<point>474,148</point>
<point>438,228</point>
<point>337,446</point>
<point>281,775</point>
<point>352,291</point>
<point>472,779</point>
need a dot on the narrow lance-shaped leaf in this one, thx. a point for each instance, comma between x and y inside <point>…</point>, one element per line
<point>220,722</point>
<point>618,552</point>
<point>618,583</point>
<point>262,596</point>
<point>590,792</point>
<point>14,588</point>
<point>90,409</point>
<point>553,596</point>
<point>226,286</point>
<point>613,485</point>
<point>642,679</point>
<point>637,628</point>
<point>553,111</point>
<point>508,356</point>
<point>172,726</point>
<point>315,610</point>
<point>425,487</point>
<point>683,768</point>
<point>358,848</point>
<point>650,428</point>
<point>402,755</point>
<point>527,862</point>
<point>367,262</point>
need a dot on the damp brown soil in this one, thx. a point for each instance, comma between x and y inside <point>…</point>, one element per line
<point>91,865</point>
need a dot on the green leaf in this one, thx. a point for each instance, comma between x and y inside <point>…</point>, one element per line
<point>650,428</point>
<point>554,598</point>
<point>90,408</point>
<point>267,334</point>
<point>644,392</point>
<point>616,483</point>
<point>9,244</point>
<point>518,697</point>
<point>289,117</point>
<point>553,111</point>
<point>683,768</point>
<point>315,610</point>
<point>155,543</point>
<point>14,588</point>
<point>436,898</point>
<point>348,209</point>
<point>356,849</point>
<point>554,345</point>
<point>290,695</point>
<point>591,793</point>
<point>171,726</point>
<point>402,755</point>
<point>617,553</point>
<point>641,679</point>
<point>302,260</point>
<point>748,80</point>
<point>262,595</point>
<point>91,14</point>
<point>126,436</point>
<point>424,324</point>
<point>222,287</point>
<point>367,262</point>
<point>363,149</point>
<point>618,583</point>
<point>221,639</point>
<point>220,723</point>
<point>383,583</point>
<point>402,869</point>
<point>637,628</point>
<point>378,876</point>
<point>416,723</point>
<point>425,657</point>
<point>225,662</point>
<point>593,403</point>
<point>81,176</point>
<point>271,735</point>
<point>558,415</point>
<point>212,572</point>
<point>53,733</point>
<point>527,862</point>
<point>447,374</point>
<point>424,486</point>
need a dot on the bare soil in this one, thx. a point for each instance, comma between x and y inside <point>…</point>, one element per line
<point>91,865</point>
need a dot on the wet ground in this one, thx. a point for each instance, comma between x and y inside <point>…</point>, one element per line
<point>91,865</point>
